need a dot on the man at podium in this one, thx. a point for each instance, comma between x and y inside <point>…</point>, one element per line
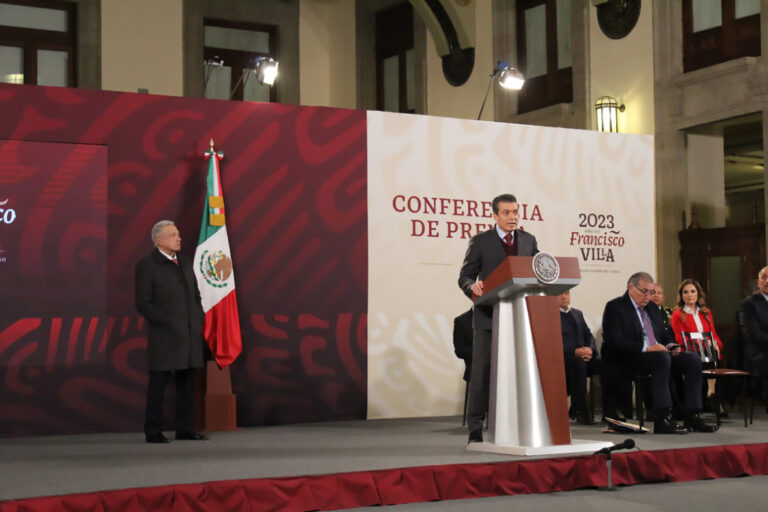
<point>485,252</point>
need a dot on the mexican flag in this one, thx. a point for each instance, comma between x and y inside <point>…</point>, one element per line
<point>213,268</point>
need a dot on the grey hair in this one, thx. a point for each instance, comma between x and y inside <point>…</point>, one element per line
<point>158,227</point>
<point>635,278</point>
<point>762,271</point>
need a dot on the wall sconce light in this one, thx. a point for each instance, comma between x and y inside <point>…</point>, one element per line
<point>509,78</point>
<point>13,78</point>
<point>607,109</point>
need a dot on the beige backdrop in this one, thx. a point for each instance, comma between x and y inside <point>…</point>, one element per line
<point>428,177</point>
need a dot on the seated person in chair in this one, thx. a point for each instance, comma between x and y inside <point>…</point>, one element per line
<point>753,323</point>
<point>657,297</point>
<point>462,340</point>
<point>634,339</point>
<point>693,316</point>
<point>580,355</point>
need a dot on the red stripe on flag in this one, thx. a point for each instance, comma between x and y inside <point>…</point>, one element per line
<point>222,330</point>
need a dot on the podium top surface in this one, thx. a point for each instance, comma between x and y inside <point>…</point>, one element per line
<point>516,275</point>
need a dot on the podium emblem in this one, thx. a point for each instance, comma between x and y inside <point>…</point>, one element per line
<point>546,268</point>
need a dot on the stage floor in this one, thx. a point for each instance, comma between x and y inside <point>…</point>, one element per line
<point>45,466</point>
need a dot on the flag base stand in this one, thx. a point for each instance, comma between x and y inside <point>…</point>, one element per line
<point>215,404</point>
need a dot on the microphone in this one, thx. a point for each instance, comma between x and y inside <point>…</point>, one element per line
<point>627,444</point>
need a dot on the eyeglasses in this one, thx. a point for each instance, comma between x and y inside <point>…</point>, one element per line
<point>646,291</point>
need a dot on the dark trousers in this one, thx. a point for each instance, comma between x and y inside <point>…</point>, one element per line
<point>479,379</point>
<point>662,366</point>
<point>185,387</point>
<point>576,372</point>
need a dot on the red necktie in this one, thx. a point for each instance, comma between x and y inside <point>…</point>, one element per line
<point>508,239</point>
<point>175,261</point>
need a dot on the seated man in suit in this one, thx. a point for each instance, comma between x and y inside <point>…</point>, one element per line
<point>753,322</point>
<point>462,340</point>
<point>634,339</point>
<point>580,355</point>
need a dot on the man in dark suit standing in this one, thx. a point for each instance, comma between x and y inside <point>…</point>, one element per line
<point>580,355</point>
<point>485,252</point>
<point>753,322</point>
<point>168,297</point>
<point>634,339</point>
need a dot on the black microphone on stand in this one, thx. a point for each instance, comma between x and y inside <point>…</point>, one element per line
<point>627,444</point>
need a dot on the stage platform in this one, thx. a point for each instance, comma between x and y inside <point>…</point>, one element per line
<point>345,464</point>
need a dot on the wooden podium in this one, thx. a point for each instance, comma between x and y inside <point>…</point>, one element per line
<point>215,404</point>
<point>528,406</point>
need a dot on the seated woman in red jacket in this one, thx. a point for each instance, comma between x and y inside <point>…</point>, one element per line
<point>692,315</point>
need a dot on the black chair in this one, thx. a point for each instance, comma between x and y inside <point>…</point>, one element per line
<point>466,403</point>
<point>640,381</point>
<point>462,346</point>
<point>703,345</point>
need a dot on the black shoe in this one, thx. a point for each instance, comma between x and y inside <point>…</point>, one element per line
<point>664,424</point>
<point>190,436</point>
<point>157,438</point>
<point>584,418</point>
<point>476,436</point>
<point>696,424</point>
<point>679,414</point>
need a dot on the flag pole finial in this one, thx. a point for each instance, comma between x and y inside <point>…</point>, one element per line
<point>212,145</point>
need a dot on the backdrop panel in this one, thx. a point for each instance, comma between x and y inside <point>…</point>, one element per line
<point>294,183</point>
<point>582,193</point>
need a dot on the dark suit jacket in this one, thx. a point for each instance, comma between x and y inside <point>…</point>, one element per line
<point>622,331</point>
<point>753,322</point>
<point>581,338</point>
<point>484,254</point>
<point>168,297</point>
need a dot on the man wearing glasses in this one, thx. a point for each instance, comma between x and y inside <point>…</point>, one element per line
<point>635,342</point>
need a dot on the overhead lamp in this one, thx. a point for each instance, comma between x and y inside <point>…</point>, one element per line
<point>607,109</point>
<point>509,78</point>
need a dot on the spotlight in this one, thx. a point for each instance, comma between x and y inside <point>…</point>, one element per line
<point>509,78</point>
<point>266,70</point>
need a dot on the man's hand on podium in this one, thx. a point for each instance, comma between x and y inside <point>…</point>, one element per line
<point>477,288</point>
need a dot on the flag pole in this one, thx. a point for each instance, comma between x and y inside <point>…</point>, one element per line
<point>215,278</point>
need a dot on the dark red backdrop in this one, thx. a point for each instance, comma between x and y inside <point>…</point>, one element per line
<point>71,343</point>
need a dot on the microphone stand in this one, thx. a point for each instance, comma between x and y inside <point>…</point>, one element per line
<point>608,463</point>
